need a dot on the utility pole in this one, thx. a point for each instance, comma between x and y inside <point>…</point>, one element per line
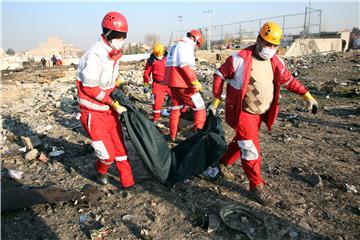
<point>305,23</point>
<point>309,25</point>
<point>180,20</point>
<point>208,29</point>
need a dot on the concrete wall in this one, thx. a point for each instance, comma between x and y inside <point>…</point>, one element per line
<point>11,62</point>
<point>134,57</point>
<point>345,35</point>
<point>302,47</point>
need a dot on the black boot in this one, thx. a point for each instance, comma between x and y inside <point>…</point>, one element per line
<point>102,179</point>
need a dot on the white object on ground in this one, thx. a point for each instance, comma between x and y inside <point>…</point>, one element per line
<point>165,113</point>
<point>351,188</point>
<point>56,153</point>
<point>12,174</point>
<point>23,149</point>
<point>211,172</point>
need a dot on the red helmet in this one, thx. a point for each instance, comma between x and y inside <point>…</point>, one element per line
<point>115,22</point>
<point>198,36</point>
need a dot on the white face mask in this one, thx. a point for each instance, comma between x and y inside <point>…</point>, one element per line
<point>117,43</point>
<point>159,58</point>
<point>194,43</point>
<point>267,53</point>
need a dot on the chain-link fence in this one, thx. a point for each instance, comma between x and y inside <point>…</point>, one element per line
<point>245,32</point>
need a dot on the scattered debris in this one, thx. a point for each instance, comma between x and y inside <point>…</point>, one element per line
<point>98,234</point>
<point>32,154</point>
<point>31,142</point>
<point>144,233</point>
<point>165,112</point>
<point>83,218</point>
<point>23,149</point>
<point>315,180</point>
<point>214,223</point>
<point>22,198</point>
<point>351,188</point>
<point>12,174</point>
<point>42,129</point>
<point>244,220</point>
<point>200,220</point>
<point>42,157</point>
<point>126,217</point>
<point>210,172</point>
<point>56,153</point>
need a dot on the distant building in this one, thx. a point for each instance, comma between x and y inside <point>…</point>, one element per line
<point>55,46</point>
<point>2,53</point>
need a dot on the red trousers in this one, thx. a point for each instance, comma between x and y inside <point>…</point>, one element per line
<point>158,91</point>
<point>246,145</point>
<point>179,98</point>
<point>108,142</point>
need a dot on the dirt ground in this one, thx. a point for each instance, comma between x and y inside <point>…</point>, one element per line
<point>311,164</point>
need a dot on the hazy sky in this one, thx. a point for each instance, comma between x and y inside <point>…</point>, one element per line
<point>25,24</point>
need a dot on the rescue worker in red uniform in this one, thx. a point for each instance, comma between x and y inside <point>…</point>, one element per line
<point>97,78</point>
<point>155,67</point>
<point>180,76</point>
<point>254,77</point>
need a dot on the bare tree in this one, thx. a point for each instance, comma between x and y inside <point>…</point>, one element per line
<point>10,52</point>
<point>134,49</point>
<point>151,38</point>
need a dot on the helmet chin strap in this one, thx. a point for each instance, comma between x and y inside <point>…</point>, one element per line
<point>257,50</point>
<point>108,33</point>
<point>106,38</point>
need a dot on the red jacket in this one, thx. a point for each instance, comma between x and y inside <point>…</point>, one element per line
<point>180,64</point>
<point>237,69</point>
<point>156,68</point>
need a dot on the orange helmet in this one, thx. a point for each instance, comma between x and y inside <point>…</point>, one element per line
<point>271,32</point>
<point>198,37</point>
<point>115,22</point>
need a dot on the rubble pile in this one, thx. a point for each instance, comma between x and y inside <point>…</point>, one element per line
<point>334,83</point>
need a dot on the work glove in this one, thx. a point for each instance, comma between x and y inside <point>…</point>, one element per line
<point>120,109</point>
<point>197,85</point>
<point>214,105</point>
<point>146,88</point>
<point>119,81</point>
<point>312,103</point>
